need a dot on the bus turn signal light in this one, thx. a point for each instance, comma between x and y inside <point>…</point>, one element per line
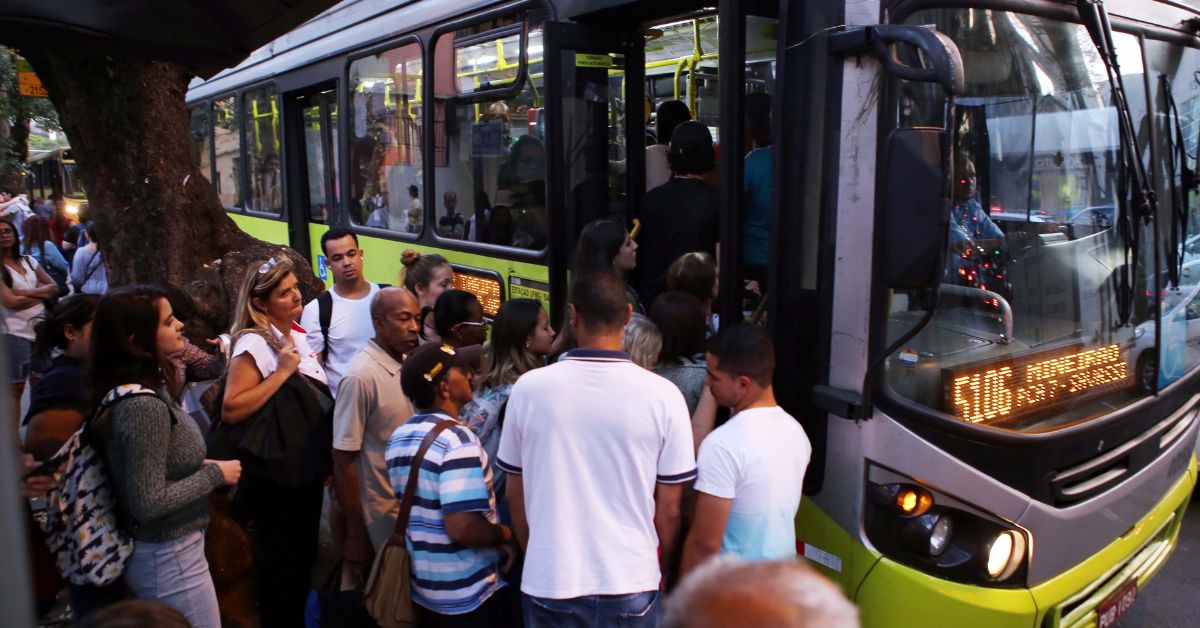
<point>913,502</point>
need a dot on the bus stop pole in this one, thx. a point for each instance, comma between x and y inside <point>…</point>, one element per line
<point>16,592</point>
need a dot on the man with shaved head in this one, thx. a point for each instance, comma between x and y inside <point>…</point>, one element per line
<point>370,406</point>
<point>727,591</point>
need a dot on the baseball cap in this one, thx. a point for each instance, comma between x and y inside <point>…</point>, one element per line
<point>429,363</point>
<point>690,136</point>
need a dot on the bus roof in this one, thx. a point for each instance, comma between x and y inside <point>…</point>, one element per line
<point>345,27</point>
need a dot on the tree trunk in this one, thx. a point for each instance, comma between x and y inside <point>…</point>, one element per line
<point>156,216</point>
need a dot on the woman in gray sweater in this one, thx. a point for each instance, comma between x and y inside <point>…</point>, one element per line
<point>155,453</point>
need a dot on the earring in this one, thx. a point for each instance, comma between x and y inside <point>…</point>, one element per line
<point>528,345</point>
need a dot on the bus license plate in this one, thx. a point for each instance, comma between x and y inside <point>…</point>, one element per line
<point>1116,605</point>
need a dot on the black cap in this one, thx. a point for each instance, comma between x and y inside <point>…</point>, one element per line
<point>689,137</point>
<point>428,364</point>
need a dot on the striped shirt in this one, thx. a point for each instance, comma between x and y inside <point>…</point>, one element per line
<point>448,578</point>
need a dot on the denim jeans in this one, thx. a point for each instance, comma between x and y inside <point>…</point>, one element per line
<point>176,574</point>
<point>631,609</point>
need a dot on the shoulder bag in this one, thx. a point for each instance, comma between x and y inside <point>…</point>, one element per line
<point>388,596</point>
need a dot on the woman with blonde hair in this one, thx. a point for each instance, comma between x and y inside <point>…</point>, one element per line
<point>427,276</point>
<point>642,341</point>
<point>276,382</point>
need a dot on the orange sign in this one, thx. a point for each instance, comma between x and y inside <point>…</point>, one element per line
<point>1011,388</point>
<point>28,84</point>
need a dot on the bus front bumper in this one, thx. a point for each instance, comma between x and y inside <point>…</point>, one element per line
<point>896,595</point>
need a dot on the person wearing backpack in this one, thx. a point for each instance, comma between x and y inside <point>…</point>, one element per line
<point>24,288</point>
<point>338,321</point>
<point>154,452</point>
<point>88,273</point>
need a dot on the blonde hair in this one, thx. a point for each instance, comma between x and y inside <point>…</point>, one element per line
<point>261,280</point>
<point>642,341</point>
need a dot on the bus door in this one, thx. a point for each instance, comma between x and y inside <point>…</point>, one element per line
<point>593,109</point>
<point>312,142</point>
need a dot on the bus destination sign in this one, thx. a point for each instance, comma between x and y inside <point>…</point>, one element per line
<point>485,285</point>
<point>1012,388</point>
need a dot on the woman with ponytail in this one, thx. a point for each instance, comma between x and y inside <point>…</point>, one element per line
<point>427,276</point>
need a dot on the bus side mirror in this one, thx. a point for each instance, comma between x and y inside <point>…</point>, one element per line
<point>914,210</point>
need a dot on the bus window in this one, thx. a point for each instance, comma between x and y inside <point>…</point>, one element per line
<point>757,184</point>
<point>1027,333</point>
<point>318,137</point>
<point>72,184</point>
<point>261,108</point>
<point>201,143</point>
<point>386,140</point>
<point>227,140</point>
<point>1174,70</point>
<point>490,159</point>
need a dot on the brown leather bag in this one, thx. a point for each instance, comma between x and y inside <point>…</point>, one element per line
<point>388,596</point>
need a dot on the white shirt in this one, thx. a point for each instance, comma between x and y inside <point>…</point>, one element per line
<point>267,360</point>
<point>757,459</point>
<point>591,435</point>
<point>350,328</point>
<point>20,323</point>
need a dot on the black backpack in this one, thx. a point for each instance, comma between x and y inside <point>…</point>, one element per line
<point>325,317</point>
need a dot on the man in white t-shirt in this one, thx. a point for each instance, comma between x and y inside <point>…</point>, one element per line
<point>338,321</point>
<point>750,471</point>
<point>598,451</point>
<point>370,406</point>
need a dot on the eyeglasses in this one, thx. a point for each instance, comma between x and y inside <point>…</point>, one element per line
<point>483,324</point>
<point>267,265</point>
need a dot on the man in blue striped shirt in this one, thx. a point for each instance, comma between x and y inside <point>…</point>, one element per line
<point>453,536</point>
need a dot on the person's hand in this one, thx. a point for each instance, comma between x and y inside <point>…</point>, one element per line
<point>358,550</point>
<point>508,554</point>
<point>289,359</point>
<point>231,470</point>
<point>34,485</point>
<point>216,343</point>
<point>753,287</point>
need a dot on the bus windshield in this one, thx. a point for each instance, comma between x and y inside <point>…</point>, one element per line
<point>1027,334</point>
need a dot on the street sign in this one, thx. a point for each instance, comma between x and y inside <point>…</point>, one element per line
<point>28,84</point>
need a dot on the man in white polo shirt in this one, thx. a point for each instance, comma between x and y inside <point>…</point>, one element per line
<point>751,469</point>
<point>370,406</point>
<point>598,451</point>
<point>338,321</point>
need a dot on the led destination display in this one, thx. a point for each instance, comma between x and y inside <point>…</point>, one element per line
<point>485,285</point>
<point>1012,388</point>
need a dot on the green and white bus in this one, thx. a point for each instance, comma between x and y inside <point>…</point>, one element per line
<point>980,282</point>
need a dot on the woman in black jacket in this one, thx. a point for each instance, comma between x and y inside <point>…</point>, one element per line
<point>276,380</point>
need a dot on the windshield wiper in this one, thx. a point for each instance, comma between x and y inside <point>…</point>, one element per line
<point>1182,180</point>
<point>1135,197</point>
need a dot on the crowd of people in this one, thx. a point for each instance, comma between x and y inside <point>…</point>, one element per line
<point>537,477</point>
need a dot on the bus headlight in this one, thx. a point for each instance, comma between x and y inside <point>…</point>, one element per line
<point>1004,554</point>
<point>939,536</point>
<point>929,534</point>
<point>942,535</point>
